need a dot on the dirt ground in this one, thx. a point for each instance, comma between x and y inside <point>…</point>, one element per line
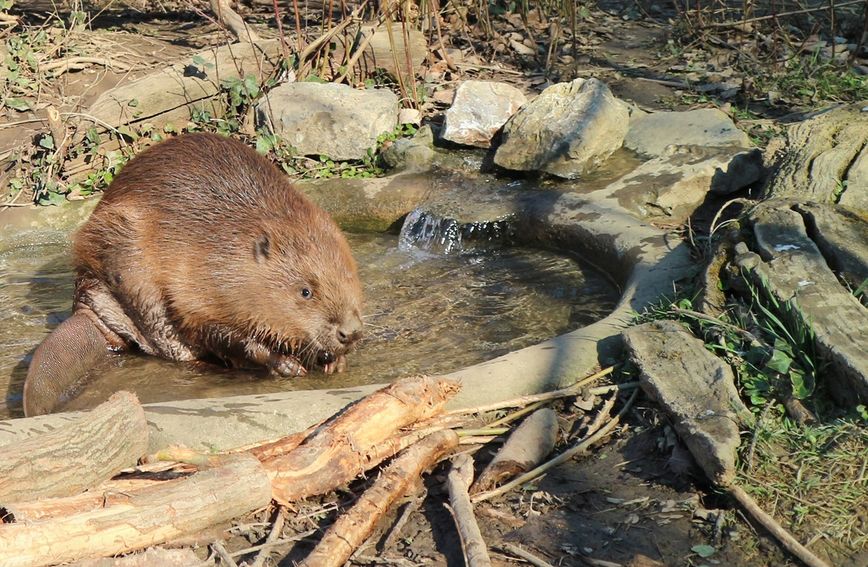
<point>632,497</point>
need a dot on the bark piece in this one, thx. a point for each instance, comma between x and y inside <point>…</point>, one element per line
<point>528,445</point>
<point>344,445</point>
<point>111,437</point>
<point>150,517</point>
<point>148,558</point>
<point>353,527</point>
<point>695,388</point>
<point>458,483</point>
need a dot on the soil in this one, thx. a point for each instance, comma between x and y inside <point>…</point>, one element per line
<point>630,497</point>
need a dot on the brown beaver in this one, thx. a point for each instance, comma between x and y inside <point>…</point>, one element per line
<point>199,249</point>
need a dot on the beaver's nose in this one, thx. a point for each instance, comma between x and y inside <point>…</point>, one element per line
<point>350,331</point>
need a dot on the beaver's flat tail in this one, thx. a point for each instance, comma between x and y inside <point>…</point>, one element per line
<point>61,361</point>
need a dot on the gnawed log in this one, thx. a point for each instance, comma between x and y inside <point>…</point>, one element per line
<point>111,437</point>
<point>149,517</point>
<point>354,526</point>
<point>528,445</point>
<point>354,440</point>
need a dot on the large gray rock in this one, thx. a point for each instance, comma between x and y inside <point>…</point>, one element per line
<point>842,237</point>
<point>695,388</point>
<point>827,159</point>
<point>794,269</point>
<point>676,183</point>
<point>479,110</point>
<point>652,133</point>
<point>569,129</point>
<point>328,119</point>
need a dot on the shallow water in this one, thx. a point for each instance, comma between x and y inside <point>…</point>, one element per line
<point>425,313</point>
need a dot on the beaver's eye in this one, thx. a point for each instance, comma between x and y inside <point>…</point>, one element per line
<point>306,293</point>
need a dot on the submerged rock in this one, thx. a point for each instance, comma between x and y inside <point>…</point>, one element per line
<point>708,127</point>
<point>479,110</point>
<point>675,184</point>
<point>328,119</point>
<point>695,388</point>
<point>567,130</point>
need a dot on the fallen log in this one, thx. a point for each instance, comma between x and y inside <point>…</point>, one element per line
<point>355,440</point>
<point>64,462</point>
<point>149,517</point>
<point>528,445</point>
<point>354,526</point>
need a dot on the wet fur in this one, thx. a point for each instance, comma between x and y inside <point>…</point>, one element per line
<point>201,248</point>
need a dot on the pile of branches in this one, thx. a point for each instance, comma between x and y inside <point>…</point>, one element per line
<point>88,491</point>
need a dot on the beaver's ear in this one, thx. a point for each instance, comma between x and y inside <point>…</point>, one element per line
<point>262,248</point>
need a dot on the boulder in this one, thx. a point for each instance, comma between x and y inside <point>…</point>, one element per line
<point>650,134</point>
<point>479,110</point>
<point>329,119</point>
<point>569,129</point>
<point>695,388</point>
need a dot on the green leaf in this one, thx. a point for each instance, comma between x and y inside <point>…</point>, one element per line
<point>703,550</point>
<point>47,142</point>
<point>18,104</point>
<point>779,362</point>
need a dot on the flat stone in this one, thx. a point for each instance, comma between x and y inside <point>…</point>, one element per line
<point>675,184</point>
<point>652,133</point>
<point>695,388</point>
<point>329,119</point>
<point>569,129</point>
<point>795,269</point>
<point>842,237</point>
<point>172,92</point>
<point>479,110</point>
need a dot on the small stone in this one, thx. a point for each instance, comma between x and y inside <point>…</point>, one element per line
<point>651,134</point>
<point>409,116</point>
<point>479,110</point>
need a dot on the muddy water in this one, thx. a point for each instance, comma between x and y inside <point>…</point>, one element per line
<point>425,313</point>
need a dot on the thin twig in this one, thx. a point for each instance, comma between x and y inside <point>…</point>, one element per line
<point>274,543</point>
<point>747,335</point>
<point>65,64</point>
<point>276,530</point>
<point>774,528</point>
<point>224,556</point>
<point>740,23</point>
<point>523,554</point>
<point>525,400</point>
<point>562,458</point>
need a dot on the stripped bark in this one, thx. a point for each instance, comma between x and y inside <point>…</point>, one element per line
<point>349,443</point>
<point>458,483</point>
<point>64,462</point>
<point>235,23</point>
<point>150,517</point>
<point>354,526</point>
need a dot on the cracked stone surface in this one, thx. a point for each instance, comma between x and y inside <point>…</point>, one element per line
<point>793,268</point>
<point>842,237</point>
<point>827,160</point>
<point>695,388</point>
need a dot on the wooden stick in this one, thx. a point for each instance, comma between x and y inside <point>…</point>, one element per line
<point>276,530</point>
<point>787,541</point>
<point>235,23</point>
<point>562,458</point>
<point>150,517</point>
<point>525,400</point>
<point>354,526</point>
<point>458,483</point>
<point>346,444</point>
<point>524,554</point>
<point>80,456</point>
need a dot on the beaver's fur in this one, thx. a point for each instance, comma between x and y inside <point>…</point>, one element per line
<point>201,248</point>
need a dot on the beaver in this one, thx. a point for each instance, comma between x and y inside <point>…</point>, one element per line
<point>201,249</point>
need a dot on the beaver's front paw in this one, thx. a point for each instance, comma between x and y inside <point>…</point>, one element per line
<point>339,364</point>
<point>286,365</point>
